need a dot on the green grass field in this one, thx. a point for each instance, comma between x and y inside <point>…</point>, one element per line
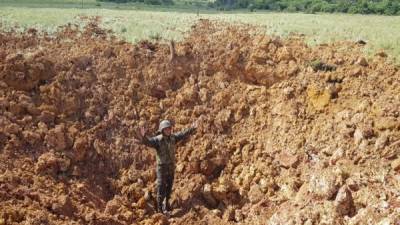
<point>136,23</point>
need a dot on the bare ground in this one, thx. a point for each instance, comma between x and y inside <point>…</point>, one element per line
<point>289,134</point>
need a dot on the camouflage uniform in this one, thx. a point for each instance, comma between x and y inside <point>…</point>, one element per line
<point>165,147</point>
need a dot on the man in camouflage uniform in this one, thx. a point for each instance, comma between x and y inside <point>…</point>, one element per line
<point>165,145</point>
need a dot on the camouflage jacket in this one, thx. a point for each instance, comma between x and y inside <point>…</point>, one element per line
<point>165,146</point>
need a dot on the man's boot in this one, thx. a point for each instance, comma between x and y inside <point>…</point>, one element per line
<point>160,205</point>
<point>167,207</point>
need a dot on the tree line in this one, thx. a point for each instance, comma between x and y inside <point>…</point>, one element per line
<point>383,7</point>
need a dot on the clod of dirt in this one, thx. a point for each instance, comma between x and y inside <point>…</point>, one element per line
<point>317,65</point>
<point>361,42</point>
<point>344,202</point>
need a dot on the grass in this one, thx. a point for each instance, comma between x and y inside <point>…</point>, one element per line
<point>142,22</point>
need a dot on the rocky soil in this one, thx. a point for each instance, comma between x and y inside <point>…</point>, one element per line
<point>288,133</point>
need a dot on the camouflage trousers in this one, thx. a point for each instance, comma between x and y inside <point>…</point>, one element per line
<point>165,180</point>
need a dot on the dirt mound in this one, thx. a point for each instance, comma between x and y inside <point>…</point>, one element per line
<point>290,134</point>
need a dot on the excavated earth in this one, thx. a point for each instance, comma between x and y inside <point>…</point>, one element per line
<point>288,133</point>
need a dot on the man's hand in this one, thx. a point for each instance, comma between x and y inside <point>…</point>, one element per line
<point>143,131</point>
<point>200,121</point>
<point>140,133</point>
<point>194,125</point>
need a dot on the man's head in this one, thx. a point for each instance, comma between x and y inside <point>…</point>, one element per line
<point>165,127</point>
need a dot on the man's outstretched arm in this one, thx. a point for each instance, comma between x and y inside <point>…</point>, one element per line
<point>141,137</point>
<point>150,142</point>
<point>186,132</point>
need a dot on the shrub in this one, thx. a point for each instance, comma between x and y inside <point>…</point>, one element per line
<point>291,8</point>
<point>251,7</point>
<point>155,36</point>
<point>152,2</point>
